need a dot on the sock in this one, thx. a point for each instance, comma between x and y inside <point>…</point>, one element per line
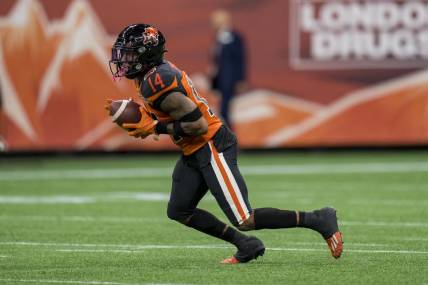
<point>308,220</point>
<point>233,236</point>
<point>207,223</point>
<point>271,218</point>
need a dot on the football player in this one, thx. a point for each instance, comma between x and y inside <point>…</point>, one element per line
<point>173,107</point>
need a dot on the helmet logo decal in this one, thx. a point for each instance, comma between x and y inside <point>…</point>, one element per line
<point>151,36</point>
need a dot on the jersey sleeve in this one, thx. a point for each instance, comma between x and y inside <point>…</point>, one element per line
<point>158,85</point>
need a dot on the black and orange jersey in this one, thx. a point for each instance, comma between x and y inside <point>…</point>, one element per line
<point>161,81</point>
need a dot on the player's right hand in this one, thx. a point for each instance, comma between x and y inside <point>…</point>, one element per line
<point>107,106</point>
<point>144,128</point>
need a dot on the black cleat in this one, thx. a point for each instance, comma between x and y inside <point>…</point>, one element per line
<point>324,221</point>
<point>251,248</point>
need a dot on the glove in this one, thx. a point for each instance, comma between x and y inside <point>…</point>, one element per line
<point>145,127</point>
<point>107,106</point>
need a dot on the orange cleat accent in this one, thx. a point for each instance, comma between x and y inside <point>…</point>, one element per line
<point>230,260</point>
<point>250,248</point>
<point>335,243</point>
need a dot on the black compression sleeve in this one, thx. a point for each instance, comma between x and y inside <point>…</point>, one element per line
<point>205,222</point>
<point>161,128</point>
<point>271,218</point>
<point>192,116</point>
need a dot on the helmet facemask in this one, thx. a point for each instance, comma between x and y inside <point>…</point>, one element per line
<point>127,61</point>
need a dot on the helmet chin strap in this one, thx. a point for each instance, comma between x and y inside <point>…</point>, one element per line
<point>136,69</point>
<point>139,68</point>
<point>132,75</point>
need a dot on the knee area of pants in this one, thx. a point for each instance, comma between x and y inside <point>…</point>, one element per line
<point>178,216</point>
<point>172,213</point>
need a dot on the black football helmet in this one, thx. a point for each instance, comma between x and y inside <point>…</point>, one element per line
<point>138,48</point>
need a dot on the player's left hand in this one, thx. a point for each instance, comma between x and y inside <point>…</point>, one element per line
<point>107,106</point>
<point>144,128</point>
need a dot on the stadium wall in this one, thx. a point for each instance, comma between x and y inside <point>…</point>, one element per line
<point>322,73</point>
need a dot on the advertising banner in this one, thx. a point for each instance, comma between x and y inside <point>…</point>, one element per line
<point>320,73</point>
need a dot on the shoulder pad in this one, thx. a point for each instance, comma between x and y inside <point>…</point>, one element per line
<point>158,82</point>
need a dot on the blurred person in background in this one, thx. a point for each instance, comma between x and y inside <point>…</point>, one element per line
<point>228,67</point>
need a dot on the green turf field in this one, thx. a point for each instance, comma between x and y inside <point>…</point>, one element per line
<point>103,221</point>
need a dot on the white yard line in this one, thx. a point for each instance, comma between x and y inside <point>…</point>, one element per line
<point>126,248</point>
<point>59,199</point>
<point>268,248</point>
<point>16,175</point>
<point>26,199</point>
<point>384,224</point>
<point>345,250</point>
<point>95,219</point>
<point>332,168</point>
<point>67,281</point>
<point>347,244</point>
<point>120,246</point>
<point>337,168</point>
<point>43,281</point>
<point>84,199</point>
<point>159,220</point>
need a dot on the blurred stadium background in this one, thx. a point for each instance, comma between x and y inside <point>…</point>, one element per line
<point>323,75</point>
<point>315,82</point>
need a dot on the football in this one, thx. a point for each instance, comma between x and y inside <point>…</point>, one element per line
<point>125,111</point>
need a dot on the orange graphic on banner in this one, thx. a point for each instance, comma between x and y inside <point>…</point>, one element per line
<point>54,79</point>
